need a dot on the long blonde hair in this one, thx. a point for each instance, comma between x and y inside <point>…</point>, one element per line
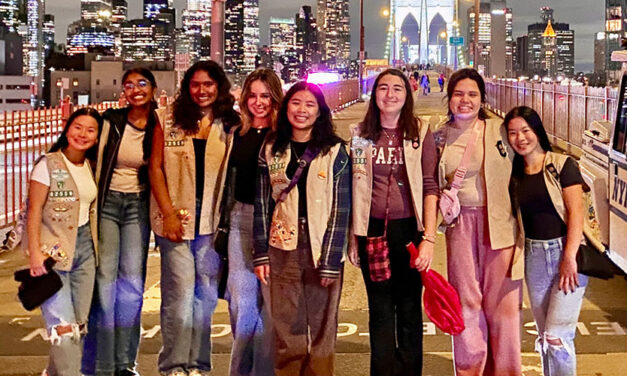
<point>273,83</point>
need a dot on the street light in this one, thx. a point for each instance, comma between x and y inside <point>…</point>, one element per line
<point>441,36</point>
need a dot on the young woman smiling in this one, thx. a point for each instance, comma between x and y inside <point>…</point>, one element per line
<point>124,229</point>
<point>395,191</point>
<point>249,301</point>
<point>547,191</point>
<point>62,224</point>
<point>482,262</point>
<point>187,174</point>
<point>302,208</point>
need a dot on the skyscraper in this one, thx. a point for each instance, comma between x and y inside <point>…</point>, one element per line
<point>152,7</point>
<point>283,47</point>
<point>539,45</point>
<point>35,46</point>
<point>334,37</point>
<point>146,40</point>
<point>119,13</point>
<point>241,35</point>
<point>95,10</point>
<point>615,29</point>
<point>197,26</point>
<point>8,13</point>
<point>599,53</point>
<point>48,34</point>
<point>307,39</point>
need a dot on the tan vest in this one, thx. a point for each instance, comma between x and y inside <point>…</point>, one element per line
<point>497,170</point>
<point>361,152</point>
<point>180,175</point>
<point>60,212</point>
<point>555,192</point>
<point>284,228</point>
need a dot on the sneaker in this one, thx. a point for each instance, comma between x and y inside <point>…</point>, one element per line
<point>127,372</point>
<point>197,372</point>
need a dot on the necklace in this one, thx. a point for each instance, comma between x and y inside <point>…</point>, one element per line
<point>391,139</point>
<point>298,157</point>
<point>259,130</point>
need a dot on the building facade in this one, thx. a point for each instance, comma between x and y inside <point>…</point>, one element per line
<point>615,33</point>
<point>147,40</point>
<point>9,13</point>
<point>539,45</point>
<point>241,35</point>
<point>307,40</point>
<point>153,7</point>
<point>334,36</point>
<point>15,93</point>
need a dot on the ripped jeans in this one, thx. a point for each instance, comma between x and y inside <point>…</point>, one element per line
<point>66,312</point>
<point>554,312</point>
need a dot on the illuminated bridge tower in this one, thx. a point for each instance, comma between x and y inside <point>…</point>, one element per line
<point>421,29</point>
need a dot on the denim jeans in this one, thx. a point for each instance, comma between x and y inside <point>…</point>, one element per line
<point>555,312</point>
<point>115,320</point>
<point>249,302</point>
<point>190,272</point>
<point>70,305</point>
<point>395,317</point>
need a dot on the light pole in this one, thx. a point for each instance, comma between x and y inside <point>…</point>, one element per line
<point>361,48</point>
<point>441,36</point>
<point>477,12</point>
<point>217,31</point>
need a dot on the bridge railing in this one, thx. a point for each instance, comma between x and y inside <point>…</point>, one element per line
<point>24,136</point>
<point>566,111</point>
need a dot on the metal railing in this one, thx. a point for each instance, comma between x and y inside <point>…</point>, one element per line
<point>24,136</point>
<point>566,111</point>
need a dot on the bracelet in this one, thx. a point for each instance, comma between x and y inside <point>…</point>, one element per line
<point>425,238</point>
<point>428,236</point>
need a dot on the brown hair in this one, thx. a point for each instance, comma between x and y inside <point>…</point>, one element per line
<point>463,74</point>
<point>273,83</point>
<point>371,125</point>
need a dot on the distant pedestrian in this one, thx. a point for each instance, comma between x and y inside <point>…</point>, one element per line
<point>424,83</point>
<point>66,108</point>
<point>441,82</point>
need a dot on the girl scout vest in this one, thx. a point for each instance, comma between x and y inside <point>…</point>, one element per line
<point>361,156</point>
<point>59,227</point>
<point>180,174</point>
<point>553,165</point>
<point>284,227</point>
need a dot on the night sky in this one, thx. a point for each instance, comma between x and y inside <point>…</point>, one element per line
<point>586,17</point>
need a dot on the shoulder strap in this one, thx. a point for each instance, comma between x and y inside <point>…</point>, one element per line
<point>460,173</point>
<point>308,156</point>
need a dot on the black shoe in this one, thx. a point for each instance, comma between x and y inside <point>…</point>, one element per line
<point>127,372</point>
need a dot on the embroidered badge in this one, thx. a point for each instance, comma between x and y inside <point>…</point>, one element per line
<point>553,171</point>
<point>358,156</point>
<point>501,148</point>
<point>276,164</point>
<point>175,138</point>
<point>60,175</point>
<point>61,212</point>
<point>322,175</point>
<point>281,236</point>
<point>60,194</point>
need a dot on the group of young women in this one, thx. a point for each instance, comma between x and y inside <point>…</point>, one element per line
<point>296,199</point>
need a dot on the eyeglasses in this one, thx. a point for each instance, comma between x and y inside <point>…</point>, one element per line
<point>140,84</point>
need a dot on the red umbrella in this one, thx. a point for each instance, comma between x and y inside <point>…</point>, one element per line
<point>441,301</point>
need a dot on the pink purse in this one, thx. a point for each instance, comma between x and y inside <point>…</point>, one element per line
<point>449,202</point>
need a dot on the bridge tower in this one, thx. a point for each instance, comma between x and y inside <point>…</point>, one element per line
<point>415,29</point>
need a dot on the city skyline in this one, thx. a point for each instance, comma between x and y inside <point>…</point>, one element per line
<point>585,18</point>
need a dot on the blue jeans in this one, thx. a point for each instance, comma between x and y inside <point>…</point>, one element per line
<point>70,306</point>
<point>190,272</point>
<point>249,302</point>
<point>115,321</point>
<point>555,312</point>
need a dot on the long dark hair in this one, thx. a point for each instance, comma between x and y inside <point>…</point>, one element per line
<point>462,74</point>
<point>152,117</point>
<point>62,141</point>
<point>371,125</point>
<point>531,117</point>
<point>186,111</point>
<point>323,135</point>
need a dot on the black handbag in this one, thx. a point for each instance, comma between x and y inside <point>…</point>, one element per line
<point>33,291</point>
<point>594,263</point>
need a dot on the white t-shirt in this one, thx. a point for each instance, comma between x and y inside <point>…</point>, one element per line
<point>130,159</point>
<point>83,179</point>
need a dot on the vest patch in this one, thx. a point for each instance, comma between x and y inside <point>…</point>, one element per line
<point>174,143</point>
<point>501,148</point>
<point>55,194</point>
